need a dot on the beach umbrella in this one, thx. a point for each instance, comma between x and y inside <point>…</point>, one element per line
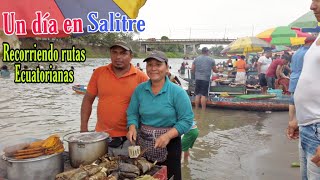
<point>246,45</point>
<point>12,40</point>
<point>312,30</point>
<point>307,23</point>
<point>62,9</point>
<point>280,48</point>
<point>283,35</point>
<point>308,20</point>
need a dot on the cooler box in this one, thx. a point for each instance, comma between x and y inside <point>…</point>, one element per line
<point>228,89</point>
<point>277,92</point>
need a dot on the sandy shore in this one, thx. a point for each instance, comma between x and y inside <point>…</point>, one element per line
<point>275,161</point>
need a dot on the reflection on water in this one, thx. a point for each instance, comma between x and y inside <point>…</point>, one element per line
<point>224,137</point>
<point>38,110</point>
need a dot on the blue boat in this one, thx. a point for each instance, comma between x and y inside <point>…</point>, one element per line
<point>80,89</point>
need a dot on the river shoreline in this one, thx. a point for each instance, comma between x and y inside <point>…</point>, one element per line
<point>94,51</point>
<point>274,162</point>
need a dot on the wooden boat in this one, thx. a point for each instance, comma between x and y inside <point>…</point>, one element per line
<point>260,103</point>
<point>266,104</point>
<point>80,89</point>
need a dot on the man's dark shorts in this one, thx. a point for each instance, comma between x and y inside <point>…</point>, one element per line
<point>202,87</point>
<point>262,80</point>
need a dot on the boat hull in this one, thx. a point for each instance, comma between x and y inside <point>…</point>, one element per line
<point>79,89</point>
<point>272,104</point>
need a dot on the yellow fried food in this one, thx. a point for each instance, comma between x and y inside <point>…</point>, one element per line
<point>51,141</point>
<point>36,144</point>
<point>27,156</point>
<point>56,149</point>
<point>30,150</point>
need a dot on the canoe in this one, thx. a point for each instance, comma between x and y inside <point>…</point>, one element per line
<point>80,89</point>
<point>266,104</point>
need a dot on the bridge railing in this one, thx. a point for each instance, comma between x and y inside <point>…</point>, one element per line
<point>185,40</point>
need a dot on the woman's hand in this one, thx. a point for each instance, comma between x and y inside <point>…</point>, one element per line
<point>162,141</point>
<point>132,134</point>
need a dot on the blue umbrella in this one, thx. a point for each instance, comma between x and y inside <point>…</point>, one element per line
<point>311,30</point>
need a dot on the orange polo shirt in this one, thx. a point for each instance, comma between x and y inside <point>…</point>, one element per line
<point>114,95</point>
<point>241,65</point>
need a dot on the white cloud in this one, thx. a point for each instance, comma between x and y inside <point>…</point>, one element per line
<point>217,18</point>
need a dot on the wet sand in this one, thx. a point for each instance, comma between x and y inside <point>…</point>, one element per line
<point>274,162</point>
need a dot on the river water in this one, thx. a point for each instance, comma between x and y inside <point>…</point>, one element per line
<point>38,110</point>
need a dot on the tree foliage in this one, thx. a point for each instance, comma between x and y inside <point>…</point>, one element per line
<point>216,50</point>
<point>168,48</point>
<point>164,38</point>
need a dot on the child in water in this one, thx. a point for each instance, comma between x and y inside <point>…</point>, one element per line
<point>188,139</point>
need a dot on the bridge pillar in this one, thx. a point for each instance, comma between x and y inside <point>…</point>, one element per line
<point>143,48</point>
<point>185,49</point>
<point>194,50</point>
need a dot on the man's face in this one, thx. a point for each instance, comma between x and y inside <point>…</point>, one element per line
<point>120,57</point>
<point>315,7</point>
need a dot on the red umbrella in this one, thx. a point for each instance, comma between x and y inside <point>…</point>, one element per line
<point>56,12</point>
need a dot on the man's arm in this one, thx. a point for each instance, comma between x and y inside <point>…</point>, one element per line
<point>288,68</point>
<point>293,128</point>
<point>246,66</point>
<point>259,67</point>
<point>177,79</point>
<point>193,68</point>
<point>86,109</point>
<point>279,72</point>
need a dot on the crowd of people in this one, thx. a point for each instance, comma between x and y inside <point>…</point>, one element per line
<point>154,112</point>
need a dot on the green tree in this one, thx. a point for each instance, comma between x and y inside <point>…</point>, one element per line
<point>164,38</point>
<point>216,50</point>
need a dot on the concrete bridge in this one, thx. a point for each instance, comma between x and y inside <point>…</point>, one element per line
<point>185,42</point>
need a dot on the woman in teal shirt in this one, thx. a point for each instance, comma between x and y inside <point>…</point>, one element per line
<point>162,112</point>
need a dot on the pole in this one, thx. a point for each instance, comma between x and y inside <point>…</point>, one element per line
<point>252,29</point>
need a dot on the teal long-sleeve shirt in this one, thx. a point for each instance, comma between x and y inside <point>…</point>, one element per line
<point>171,107</point>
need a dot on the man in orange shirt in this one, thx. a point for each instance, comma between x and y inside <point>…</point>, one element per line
<point>113,84</point>
<point>241,71</point>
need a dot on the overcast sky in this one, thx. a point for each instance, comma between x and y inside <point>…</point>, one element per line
<point>217,18</point>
